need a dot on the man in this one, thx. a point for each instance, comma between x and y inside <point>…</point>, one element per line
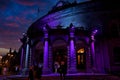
<point>62,70</point>
<point>31,76</point>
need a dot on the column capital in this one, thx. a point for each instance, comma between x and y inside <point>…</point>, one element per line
<point>45,32</point>
<point>46,36</point>
<point>72,28</point>
<point>92,38</point>
<point>72,31</point>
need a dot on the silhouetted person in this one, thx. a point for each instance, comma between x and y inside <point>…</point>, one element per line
<point>31,76</point>
<point>0,70</point>
<point>16,70</point>
<point>39,72</point>
<point>62,70</point>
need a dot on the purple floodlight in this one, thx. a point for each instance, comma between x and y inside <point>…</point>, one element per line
<point>94,32</point>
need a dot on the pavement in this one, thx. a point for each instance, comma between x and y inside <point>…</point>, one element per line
<point>77,76</point>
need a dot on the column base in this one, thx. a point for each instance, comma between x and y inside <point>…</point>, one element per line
<point>46,71</point>
<point>89,70</point>
<point>72,70</point>
<point>25,71</point>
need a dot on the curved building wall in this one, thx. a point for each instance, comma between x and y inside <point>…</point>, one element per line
<point>88,15</point>
<point>79,15</point>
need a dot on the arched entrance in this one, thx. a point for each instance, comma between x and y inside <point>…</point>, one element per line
<point>38,54</point>
<point>81,55</point>
<point>59,48</point>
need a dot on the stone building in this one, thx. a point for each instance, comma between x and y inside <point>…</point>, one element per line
<point>86,36</point>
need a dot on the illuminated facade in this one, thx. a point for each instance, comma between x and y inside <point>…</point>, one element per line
<point>80,34</point>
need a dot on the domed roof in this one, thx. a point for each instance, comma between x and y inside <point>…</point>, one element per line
<point>62,3</point>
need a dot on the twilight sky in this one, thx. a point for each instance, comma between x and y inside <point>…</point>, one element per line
<point>16,16</point>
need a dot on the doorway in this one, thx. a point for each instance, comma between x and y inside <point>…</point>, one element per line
<point>59,50</point>
<point>81,59</point>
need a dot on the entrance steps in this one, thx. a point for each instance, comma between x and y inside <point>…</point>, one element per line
<point>77,76</point>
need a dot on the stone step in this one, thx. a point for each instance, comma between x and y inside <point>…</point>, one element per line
<point>69,77</point>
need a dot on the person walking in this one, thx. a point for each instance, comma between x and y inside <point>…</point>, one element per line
<point>31,76</point>
<point>39,71</point>
<point>62,70</point>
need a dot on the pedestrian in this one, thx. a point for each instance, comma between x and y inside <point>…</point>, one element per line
<point>16,70</point>
<point>4,70</point>
<point>39,71</point>
<point>62,70</point>
<point>31,76</point>
<point>56,66</point>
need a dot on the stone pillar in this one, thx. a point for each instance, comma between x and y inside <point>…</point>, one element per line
<point>92,50</point>
<point>68,57</point>
<point>72,53</point>
<point>26,56</point>
<point>88,61</point>
<point>50,59</point>
<point>46,52</point>
<point>26,67</point>
<point>30,57</point>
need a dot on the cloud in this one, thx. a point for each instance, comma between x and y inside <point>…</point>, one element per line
<point>12,24</point>
<point>10,42</point>
<point>10,32</point>
<point>1,43</point>
<point>4,4</point>
<point>3,51</point>
<point>30,2</point>
<point>26,2</point>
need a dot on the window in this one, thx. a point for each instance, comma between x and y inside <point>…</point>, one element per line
<point>81,58</point>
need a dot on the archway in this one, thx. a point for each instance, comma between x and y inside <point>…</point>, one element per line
<point>59,48</point>
<point>38,54</point>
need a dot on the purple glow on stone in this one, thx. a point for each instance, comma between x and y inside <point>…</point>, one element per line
<point>92,37</point>
<point>72,48</point>
<point>26,59</point>
<point>45,63</point>
<point>95,31</point>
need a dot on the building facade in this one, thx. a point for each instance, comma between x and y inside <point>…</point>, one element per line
<point>85,36</point>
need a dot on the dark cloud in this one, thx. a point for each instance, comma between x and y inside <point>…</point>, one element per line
<point>30,2</point>
<point>17,15</point>
<point>4,4</point>
<point>12,24</point>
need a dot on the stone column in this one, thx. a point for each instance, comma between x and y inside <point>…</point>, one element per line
<point>92,50</point>
<point>68,57</point>
<point>30,57</point>
<point>88,60</point>
<point>26,67</point>
<point>72,54</point>
<point>50,59</point>
<point>46,52</point>
<point>26,56</point>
